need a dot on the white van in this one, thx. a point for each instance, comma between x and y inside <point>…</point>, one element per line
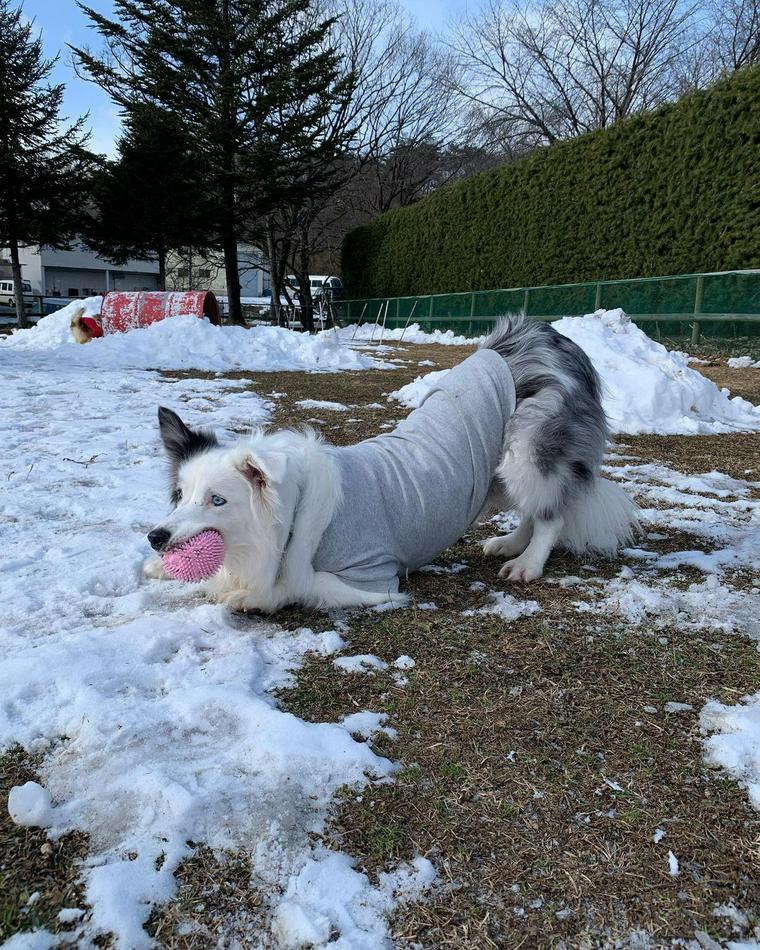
<point>319,284</point>
<point>7,296</point>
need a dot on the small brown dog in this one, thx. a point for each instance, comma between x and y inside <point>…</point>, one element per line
<point>83,328</point>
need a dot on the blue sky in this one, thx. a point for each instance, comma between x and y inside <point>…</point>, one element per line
<point>61,22</point>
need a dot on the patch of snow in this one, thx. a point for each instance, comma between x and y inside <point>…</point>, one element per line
<point>362,663</point>
<point>404,663</point>
<point>505,606</point>
<point>327,896</point>
<point>32,940</point>
<point>658,836</point>
<point>737,917</point>
<point>30,805</point>
<point>735,742</point>
<point>415,393</point>
<point>673,865</point>
<point>677,707</point>
<point>366,724</point>
<point>443,569</point>
<point>322,404</point>
<point>412,334</point>
<point>708,605</point>
<point>743,362</point>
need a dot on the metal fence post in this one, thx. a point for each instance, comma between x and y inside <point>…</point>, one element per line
<point>598,297</point>
<point>526,297</point>
<point>697,308</point>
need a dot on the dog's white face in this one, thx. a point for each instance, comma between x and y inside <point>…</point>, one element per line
<point>234,491</point>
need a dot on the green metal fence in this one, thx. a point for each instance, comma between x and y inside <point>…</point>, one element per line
<point>720,305</point>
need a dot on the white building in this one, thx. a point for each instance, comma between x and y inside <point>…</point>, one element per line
<point>81,273</point>
<point>190,270</point>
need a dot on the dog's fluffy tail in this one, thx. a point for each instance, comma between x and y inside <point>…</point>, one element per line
<point>602,518</point>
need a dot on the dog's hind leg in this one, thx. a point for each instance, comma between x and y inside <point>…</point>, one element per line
<point>329,590</point>
<point>530,564</point>
<point>510,545</point>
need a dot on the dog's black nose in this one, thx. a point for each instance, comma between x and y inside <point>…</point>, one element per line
<point>158,538</point>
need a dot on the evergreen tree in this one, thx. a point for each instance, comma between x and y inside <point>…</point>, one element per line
<point>44,167</point>
<point>154,198</point>
<point>250,81</point>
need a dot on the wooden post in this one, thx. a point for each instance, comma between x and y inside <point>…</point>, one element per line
<point>697,308</point>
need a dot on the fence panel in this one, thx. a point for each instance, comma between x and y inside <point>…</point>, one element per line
<point>721,305</point>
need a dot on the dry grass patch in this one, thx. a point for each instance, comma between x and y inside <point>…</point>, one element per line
<point>508,733</point>
<point>31,865</point>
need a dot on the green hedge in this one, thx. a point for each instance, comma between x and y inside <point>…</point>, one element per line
<point>671,192</point>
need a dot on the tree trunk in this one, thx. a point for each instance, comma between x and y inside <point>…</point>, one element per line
<point>18,287</point>
<point>233,277</point>
<point>162,270</point>
<point>274,281</point>
<point>304,284</point>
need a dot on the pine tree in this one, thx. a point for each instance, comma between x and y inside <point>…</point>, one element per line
<point>44,167</point>
<point>153,198</point>
<point>250,81</point>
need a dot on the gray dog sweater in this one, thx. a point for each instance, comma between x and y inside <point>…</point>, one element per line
<point>410,493</point>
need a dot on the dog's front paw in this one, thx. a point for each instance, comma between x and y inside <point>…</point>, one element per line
<point>521,570</point>
<point>153,569</point>
<point>244,601</point>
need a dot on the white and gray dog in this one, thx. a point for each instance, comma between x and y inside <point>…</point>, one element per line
<point>517,425</point>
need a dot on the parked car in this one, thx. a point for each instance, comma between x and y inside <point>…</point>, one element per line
<point>8,297</point>
<point>321,285</point>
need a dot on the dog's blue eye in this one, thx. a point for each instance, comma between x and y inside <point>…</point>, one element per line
<point>217,501</point>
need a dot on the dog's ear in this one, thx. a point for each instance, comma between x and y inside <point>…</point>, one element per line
<point>180,441</point>
<point>262,473</point>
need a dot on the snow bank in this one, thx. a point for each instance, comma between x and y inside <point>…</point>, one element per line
<point>187,342</point>
<point>412,334</point>
<point>647,388</point>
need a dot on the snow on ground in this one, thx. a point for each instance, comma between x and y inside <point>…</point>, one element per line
<point>735,743</point>
<point>743,362</point>
<point>647,388</point>
<point>412,334</point>
<point>506,606</point>
<point>322,404</point>
<point>152,710</point>
<point>186,342</point>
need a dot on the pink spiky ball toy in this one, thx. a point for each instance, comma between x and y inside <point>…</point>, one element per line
<point>195,559</point>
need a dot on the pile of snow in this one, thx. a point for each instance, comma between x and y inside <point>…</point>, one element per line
<point>505,606</point>
<point>735,745</point>
<point>646,388</point>
<point>743,362</point>
<point>187,342</point>
<point>153,712</point>
<point>414,393</point>
<point>412,334</point>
